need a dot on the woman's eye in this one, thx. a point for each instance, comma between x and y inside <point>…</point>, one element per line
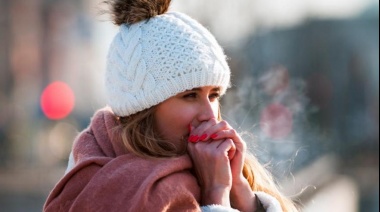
<point>214,96</point>
<point>191,95</point>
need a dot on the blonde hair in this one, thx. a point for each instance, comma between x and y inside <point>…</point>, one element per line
<point>261,180</point>
<point>140,137</point>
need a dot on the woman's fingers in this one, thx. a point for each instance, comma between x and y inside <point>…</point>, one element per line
<point>199,134</point>
<point>232,134</point>
<point>211,162</point>
<point>217,151</point>
<point>207,130</point>
<point>228,147</point>
<point>211,149</point>
<point>212,131</point>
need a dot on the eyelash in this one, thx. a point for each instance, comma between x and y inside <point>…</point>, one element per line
<point>216,95</point>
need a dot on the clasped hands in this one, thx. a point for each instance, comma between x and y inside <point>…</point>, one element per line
<point>218,153</point>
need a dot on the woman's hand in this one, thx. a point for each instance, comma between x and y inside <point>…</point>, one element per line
<point>211,158</point>
<point>211,164</point>
<point>229,160</point>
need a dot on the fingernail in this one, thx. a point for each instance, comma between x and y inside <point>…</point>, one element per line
<point>213,136</point>
<point>203,137</point>
<point>195,139</point>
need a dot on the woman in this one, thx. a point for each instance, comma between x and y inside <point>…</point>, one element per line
<point>162,145</point>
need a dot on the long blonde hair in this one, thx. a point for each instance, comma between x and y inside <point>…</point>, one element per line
<point>140,137</point>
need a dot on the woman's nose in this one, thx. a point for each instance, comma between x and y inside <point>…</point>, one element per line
<point>208,111</point>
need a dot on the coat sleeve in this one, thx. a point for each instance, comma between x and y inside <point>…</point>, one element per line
<point>269,203</point>
<point>217,208</point>
<point>265,203</point>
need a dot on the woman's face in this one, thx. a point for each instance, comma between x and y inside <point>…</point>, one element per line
<point>174,116</point>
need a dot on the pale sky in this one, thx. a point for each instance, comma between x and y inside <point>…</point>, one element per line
<point>233,19</point>
<point>230,20</point>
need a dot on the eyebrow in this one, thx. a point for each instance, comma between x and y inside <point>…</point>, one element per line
<point>200,89</point>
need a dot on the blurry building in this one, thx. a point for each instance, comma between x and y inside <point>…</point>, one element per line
<point>41,41</point>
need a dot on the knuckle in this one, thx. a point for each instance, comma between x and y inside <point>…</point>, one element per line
<point>224,124</point>
<point>233,131</point>
<point>213,121</point>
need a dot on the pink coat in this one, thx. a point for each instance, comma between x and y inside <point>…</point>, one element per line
<point>108,178</point>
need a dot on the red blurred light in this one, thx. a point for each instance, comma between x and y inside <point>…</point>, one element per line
<point>276,121</point>
<point>57,100</point>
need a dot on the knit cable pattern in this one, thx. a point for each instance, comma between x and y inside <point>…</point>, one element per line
<point>153,60</point>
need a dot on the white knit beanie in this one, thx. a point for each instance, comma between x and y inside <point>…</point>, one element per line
<point>155,59</point>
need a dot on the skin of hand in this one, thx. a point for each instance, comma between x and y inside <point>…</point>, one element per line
<point>217,150</point>
<point>211,165</point>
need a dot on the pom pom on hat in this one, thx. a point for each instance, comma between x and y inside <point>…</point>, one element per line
<point>133,11</point>
<point>158,54</point>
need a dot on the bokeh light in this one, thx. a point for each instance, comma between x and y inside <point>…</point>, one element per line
<point>57,100</point>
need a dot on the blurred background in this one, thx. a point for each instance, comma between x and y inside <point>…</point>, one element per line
<point>305,92</point>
